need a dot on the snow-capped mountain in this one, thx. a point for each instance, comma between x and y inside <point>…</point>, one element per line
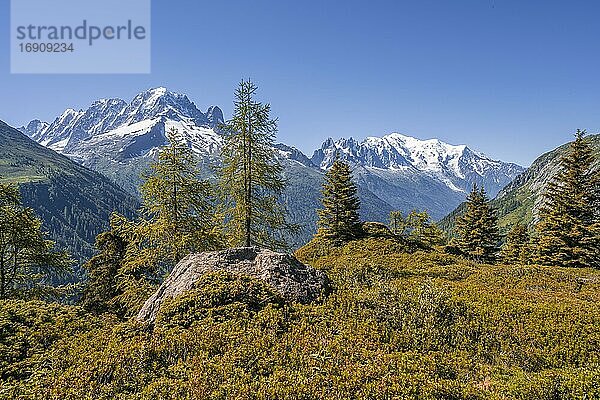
<point>34,128</point>
<point>457,167</point>
<point>120,139</point>
<point>150,108</point>
<point>393,172</point>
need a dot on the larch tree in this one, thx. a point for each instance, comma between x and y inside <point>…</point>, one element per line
<point>178,217</point>
<point>178,206</point>
<point>568,232</point>
<point>478,237</point>
<point>28,262</point>
<point>339,218</point>
<point>251,178</point>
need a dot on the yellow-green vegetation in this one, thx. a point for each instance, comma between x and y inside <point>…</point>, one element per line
<point>29,328</point>
<point>219,296</point>
<point>398,325</point>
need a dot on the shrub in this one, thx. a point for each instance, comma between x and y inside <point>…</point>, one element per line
<point>29,328</point>
<point>412,326</point>
<point>219,296</point>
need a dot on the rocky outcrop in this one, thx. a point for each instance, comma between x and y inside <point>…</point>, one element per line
<point>295,281</point>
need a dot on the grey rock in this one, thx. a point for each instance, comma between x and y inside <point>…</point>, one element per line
<point>295,281</point>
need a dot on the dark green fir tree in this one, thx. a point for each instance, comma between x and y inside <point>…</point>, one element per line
<point>477,229</point>
<point>102,285</point>
<point>339,218</point>
<point>568,233</point>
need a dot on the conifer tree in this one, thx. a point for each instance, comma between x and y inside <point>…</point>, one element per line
<point>250,178</point>
<point>516,247</point>
<point>102,285</point>
<point>339,218</point>
<point>397,223</point>
<point>416,228</point>
<point>178,217</point>
<point>28,261</point>
<point>145,262</point>
<point>568,233</point>
<point>477,229</point>
<point>178,206</point>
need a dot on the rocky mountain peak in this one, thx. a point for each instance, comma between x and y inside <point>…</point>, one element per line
<point>34,128</point>
<point>456,166</point>
<point>215,116</point>
<point>67,131</point>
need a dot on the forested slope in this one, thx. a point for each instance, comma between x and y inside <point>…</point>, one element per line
<point>73,201</point>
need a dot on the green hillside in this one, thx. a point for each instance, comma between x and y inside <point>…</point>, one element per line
<point>397,326</point>
<point>519,201</point>
<point>73,202</point>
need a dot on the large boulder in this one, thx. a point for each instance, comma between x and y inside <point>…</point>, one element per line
<point>294,281</point>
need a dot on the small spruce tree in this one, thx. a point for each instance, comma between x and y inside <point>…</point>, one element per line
<point>568,233</point>
<point>339,218</point>
<point>477,229</point>
<point>417,229</point>
<point>102,285</point>
<point>516,249</point>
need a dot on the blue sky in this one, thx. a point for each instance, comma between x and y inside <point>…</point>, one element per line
<point>510,78</point>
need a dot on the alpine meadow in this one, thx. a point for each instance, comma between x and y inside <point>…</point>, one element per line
<point>154,246</point>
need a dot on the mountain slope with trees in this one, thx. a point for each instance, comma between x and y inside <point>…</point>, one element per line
<point>568,231</point>
<point>73,202</point>
<point>520,200</point>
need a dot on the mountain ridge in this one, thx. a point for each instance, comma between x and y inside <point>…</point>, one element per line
<point>519,201</point>
<point>451,164</point>
<point>393,172</point>
<point>73,202</point>
<point>108,114</point>
<point>74,132</point>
